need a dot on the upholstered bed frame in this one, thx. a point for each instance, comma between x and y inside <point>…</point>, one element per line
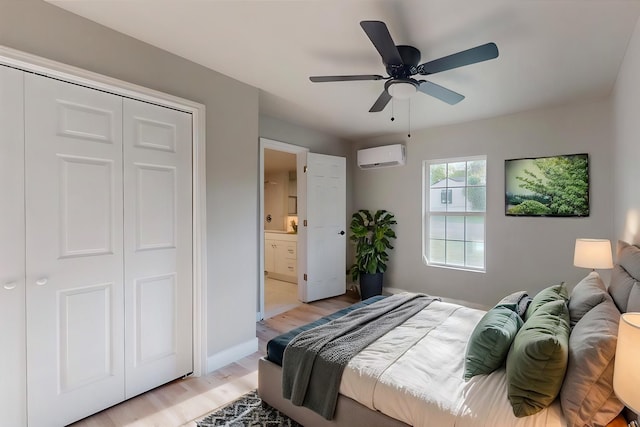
<point>624,290</point>
<point>349,413</point>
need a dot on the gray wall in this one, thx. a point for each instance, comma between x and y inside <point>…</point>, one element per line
<point>521,253</point>
<point>232,134</point>
<point>626,172</point>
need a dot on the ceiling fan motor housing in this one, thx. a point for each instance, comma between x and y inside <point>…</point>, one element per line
<point>410,60</point>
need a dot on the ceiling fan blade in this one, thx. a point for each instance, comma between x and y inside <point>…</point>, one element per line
<point>322,79</point>
<point>381,102</point>
<point>379,35</point>
<point>460,59</point>
<point>442,93</point>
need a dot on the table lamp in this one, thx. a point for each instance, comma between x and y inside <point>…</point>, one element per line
<point>593,253</point>
<point>626,371</point>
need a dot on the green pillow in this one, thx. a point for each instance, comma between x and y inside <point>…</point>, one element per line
<point>537,360</point>
<point>552,293</point>
<point>490,341</point>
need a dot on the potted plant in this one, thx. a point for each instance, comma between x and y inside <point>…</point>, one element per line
<point>372,235</point>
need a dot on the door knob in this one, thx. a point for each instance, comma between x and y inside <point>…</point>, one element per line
<point>341,232</point>
<point>10,285</point>
<point>42,281</point>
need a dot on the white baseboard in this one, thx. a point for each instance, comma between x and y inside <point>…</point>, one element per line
<point>232,354</point>
<point>259,316</point>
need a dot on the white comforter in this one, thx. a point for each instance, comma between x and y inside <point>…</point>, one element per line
<point>415,374</point>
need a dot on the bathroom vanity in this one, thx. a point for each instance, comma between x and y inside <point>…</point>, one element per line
<point>280,255</point>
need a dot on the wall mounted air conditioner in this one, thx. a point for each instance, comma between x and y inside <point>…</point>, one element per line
<point>382,157</point>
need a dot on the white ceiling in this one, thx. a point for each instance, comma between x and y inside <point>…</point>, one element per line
<point>551,52</point>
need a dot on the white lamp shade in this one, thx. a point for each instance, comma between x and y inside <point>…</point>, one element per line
<point>593,253</point>
<point>626,373</point>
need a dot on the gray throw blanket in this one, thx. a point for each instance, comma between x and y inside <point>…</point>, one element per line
<point>314,360</point>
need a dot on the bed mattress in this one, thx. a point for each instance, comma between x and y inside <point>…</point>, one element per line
<point>414,374</point>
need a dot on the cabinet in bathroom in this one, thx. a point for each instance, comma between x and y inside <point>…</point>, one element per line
<point>280,256</point>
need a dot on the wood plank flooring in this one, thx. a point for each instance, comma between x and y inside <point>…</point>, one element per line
<point>181,402</point>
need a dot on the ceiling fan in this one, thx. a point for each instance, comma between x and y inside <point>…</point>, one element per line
<point>402,62</point>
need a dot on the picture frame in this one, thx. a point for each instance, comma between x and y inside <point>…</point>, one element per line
<point>552,186</point>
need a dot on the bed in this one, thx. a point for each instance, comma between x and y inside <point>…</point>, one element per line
<point>415,373</point>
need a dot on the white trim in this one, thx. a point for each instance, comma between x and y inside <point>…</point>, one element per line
<point>427,213</point>
<point>231,354</point>
<point>56,70</point>
<point>287,148</point>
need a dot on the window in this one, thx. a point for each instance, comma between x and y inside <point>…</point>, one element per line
<point>446,196</point>
<point>454,212</point>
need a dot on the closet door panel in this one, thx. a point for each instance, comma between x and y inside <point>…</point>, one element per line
<point>157,245</point>
<point>74,271</point>
<point>13,391</point>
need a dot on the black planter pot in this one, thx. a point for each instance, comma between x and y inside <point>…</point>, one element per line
<point>370,285</point>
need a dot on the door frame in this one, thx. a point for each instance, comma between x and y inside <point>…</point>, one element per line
<point>301,153</point>
<point>46,67</point>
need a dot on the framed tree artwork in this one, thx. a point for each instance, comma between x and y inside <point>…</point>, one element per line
<point>555,186</point>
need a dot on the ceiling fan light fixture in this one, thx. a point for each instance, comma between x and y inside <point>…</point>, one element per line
<point>402,89</point>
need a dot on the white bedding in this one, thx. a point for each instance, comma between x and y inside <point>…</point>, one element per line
<point>415,374</point>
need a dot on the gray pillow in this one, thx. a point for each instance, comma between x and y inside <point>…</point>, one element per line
<point>625,275</point>
<point>519,301</point>
<point>587,395</point>
<point>588,293</point>
<point>490,341</point>
<point>633,305</point>
<point>628,256</point>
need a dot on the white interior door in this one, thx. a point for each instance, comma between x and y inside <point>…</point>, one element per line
<point>12,293</point>
<point>326,229</point>
<point>158,245</point>
<point>74,272</point>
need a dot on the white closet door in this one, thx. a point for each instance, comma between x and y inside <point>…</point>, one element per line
<point>158,245</point>
<point>74,277</point>
<point>13,408</point>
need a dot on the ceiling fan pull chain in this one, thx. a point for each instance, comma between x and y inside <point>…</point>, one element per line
<point>393,102</point>
<point>409,134</point>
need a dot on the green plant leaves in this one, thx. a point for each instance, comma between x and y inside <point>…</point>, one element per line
<point>372,234</point>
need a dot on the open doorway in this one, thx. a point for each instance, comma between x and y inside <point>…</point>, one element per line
<point>279,228</point>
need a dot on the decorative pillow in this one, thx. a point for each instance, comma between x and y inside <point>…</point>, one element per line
<point>620,287</point>
<point>633,305</point>
<point>625,276</point>
<point>552,293</point>
<point>518,300</point>
<point>588,293</point>
<point>490,341</point>
<point>537,360</point>
<point>587,395</point>
<point>628,256</point>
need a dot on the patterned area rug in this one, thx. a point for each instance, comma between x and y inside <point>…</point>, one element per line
<point>247,411</point>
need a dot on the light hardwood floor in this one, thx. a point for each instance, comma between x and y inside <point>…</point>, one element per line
<point>181,402</point>
<point>279,297</point>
